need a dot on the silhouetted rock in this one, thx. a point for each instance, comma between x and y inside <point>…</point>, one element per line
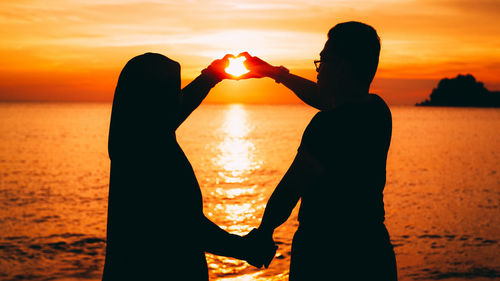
<point>462,90</point>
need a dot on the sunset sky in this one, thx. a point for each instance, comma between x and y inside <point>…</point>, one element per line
<point>74,50</point>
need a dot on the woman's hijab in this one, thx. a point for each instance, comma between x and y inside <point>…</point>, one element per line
<point>145,107</point>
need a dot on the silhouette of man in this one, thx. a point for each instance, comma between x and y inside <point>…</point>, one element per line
<point>339,172</point>
<point>156,227</point>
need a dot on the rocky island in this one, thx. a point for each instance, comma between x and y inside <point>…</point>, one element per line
<point>462,90</point>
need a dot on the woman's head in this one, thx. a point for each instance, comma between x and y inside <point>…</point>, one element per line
<point>145,104</point>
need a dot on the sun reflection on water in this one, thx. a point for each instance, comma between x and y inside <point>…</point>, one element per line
<point>237,213</point>
<point>235,192</point>
<point>235,163</point>
<point>236,150</point>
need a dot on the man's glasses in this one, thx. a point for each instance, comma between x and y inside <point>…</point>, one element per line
<point>317,64</point>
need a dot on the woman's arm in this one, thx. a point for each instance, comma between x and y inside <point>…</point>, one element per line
<point>193,94</point>
<point>250,248</point>
<point>220,242</point>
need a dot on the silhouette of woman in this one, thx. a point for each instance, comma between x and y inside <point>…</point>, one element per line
<point>156,227</point>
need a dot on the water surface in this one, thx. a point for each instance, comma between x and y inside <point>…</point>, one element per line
<point>442,196</point>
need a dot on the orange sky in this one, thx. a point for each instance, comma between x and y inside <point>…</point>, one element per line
<point>73,50</point>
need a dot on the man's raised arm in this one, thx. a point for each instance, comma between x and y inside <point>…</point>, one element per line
<point>304,89</point>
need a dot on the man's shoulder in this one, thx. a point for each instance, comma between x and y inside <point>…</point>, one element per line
<point>322,122</point>
<point>378,101</point>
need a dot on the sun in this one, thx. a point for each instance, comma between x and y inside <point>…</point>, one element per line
<point>236,67</point>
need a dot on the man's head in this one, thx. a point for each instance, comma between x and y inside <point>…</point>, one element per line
<point>349,59</point>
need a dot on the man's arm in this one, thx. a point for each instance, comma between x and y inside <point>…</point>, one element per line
<point>303,171</point>
<point>304,89</point>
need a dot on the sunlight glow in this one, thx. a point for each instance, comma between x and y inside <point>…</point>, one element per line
<point>236,66</point>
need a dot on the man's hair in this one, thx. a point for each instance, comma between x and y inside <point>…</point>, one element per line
<point>357,44</point>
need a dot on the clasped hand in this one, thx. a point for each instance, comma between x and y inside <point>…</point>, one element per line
<point>259,248</point>
<point>257,68</point>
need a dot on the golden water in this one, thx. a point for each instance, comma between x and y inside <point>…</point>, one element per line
<point>442,196</point>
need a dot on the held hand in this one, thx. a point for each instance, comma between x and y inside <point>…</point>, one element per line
<point>260,248</point>
<point>216,70</point>
<point>257,67</point>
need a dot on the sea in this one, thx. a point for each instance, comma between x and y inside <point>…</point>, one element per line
<point>442,197</point>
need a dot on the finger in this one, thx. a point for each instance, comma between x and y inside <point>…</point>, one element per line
<point>232,77</point>
<point>216,62</point>
<point>248,76</point>
<point>246,55</point>
<point>254,61</point>
<point>258,60</point>
<point>229,76</point>
<point>224,62</point>
<point>227,56</point>
<point>247,63</point>
<point>250,63</point>
<point>245,76</point>
<point>241,77</point>
<point>271,257</point>
<point>258,265</point>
